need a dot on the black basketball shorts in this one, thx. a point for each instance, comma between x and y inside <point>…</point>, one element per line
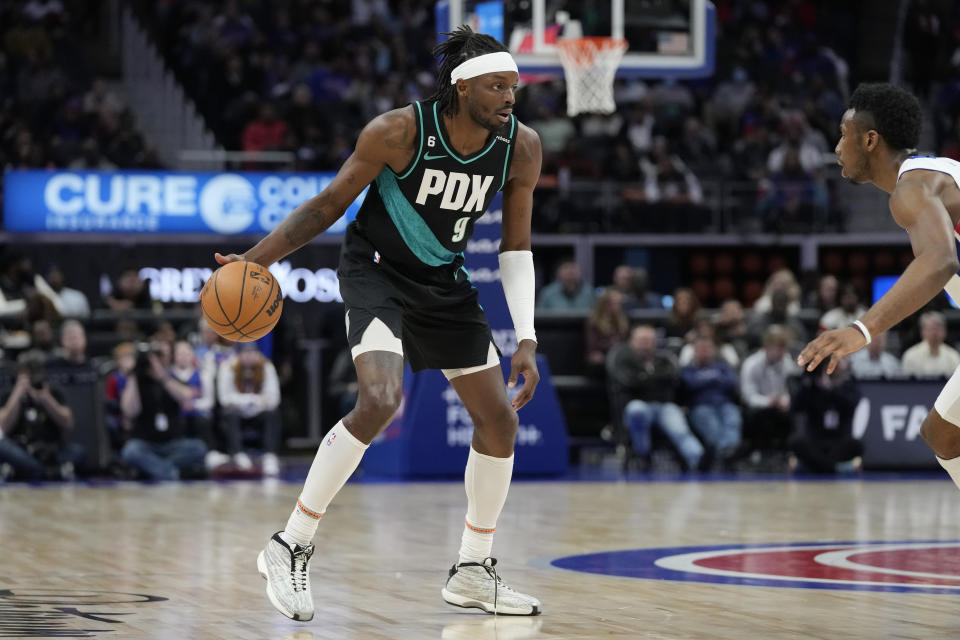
<point>434,324</point>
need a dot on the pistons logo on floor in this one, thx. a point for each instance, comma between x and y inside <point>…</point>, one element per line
<point>931,566</point>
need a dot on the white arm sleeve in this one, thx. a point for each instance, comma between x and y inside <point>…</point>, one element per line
<point>516,274</point>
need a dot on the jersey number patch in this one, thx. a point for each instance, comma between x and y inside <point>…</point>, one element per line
<point>459,229</point>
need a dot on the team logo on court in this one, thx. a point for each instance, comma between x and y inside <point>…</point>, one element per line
<point>66,613</point>
<point>228,203</point>
<point>931,566</point>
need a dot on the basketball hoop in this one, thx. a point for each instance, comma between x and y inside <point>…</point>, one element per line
<point>589,66</point>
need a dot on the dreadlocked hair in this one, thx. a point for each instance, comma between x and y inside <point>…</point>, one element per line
<point>896,114</point>
<point>462,44</point>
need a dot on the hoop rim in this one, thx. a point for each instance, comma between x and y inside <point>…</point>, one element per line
<point>601,43</point>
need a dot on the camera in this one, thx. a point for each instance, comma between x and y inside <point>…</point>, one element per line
<point>142,358</point>
<point>143,353</point>
<point>38,380</point>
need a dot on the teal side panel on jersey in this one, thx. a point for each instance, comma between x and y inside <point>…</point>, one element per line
<point>416,233</point>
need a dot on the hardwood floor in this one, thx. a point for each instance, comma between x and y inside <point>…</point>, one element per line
<point>178,561</point>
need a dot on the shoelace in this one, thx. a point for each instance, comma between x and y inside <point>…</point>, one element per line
<point>490,568</point>
<point>298,567</point>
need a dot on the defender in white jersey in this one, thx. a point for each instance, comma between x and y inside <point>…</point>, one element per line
<point>878,139</point>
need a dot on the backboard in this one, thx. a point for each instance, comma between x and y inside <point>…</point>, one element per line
<point>667,38</point>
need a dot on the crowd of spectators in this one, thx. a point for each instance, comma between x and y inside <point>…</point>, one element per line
<point>305,77</point>
<point>167,401</point>
<point>721,387</point>
<point>54,112</point>
<point>718,387</point>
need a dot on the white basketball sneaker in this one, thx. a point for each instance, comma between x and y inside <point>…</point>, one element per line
<point>477,585</point>
<point>287,572</point>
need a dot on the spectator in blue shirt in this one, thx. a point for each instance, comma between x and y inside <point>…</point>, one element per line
<point>711,387</point>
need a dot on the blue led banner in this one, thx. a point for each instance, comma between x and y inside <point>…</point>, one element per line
<point>158,202</point>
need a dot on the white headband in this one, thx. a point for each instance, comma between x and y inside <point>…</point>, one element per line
<point>487,63</point>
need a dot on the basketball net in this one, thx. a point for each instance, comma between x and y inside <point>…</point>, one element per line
<point>589,66</point>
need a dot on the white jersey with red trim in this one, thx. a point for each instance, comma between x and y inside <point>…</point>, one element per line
<point>952,168</point>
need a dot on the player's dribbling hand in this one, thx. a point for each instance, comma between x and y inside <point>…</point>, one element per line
<point>524,363</point>
<point>834,344</point>
<point>227,259</point>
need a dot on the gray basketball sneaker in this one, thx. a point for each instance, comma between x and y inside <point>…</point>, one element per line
<point>287,572</point>
<point>476,584</point>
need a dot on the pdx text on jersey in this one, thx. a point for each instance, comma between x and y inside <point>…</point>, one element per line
<point>460,191</point>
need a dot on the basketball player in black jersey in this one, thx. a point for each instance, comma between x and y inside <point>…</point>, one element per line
<point>878,139</point>
<point>433,168</point>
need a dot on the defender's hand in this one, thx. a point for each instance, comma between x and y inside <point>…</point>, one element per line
<point>834,344</point>
<point>524,363</point>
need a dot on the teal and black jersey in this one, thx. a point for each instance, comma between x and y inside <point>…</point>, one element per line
<point>419,219</point>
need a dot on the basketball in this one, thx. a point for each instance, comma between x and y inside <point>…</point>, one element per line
<point>241,301</point>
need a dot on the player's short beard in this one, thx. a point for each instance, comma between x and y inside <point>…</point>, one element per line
<point>477,117</point>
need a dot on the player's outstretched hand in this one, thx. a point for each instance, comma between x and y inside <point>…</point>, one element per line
<point>227,259</point>
<point>524,363</point>
<point>834,344</point>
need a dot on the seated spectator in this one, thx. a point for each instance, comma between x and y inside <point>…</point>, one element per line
<point>825,297</point>
<point>205,339</point>
<point>72,354</point>
<point>849,310</point>
<point>684,313</point>
<point>210,353</point>
<point>874,362</point>
<point>249,392</point>
<point>763,389</point>
<point>34,419</point>
<point>129,292</point>
<point>731,327</point>
<point>150,401</point>
<point>667,178</point>
<point>712,390</point>
<point>633,283</point>
<point>724,350</point>
<point>792,194</point>
<point>16,285</point>
<point>125,358</point>
<point>41,336</point>
<point>195,414</point>
<point>554,130</point>
<point>777,315</point>
<point>931,358</point>
<point>266,132</point>
<point>649,378</point>
<point>781,280</point>
<point>71,303</point>
<point>91,158</point>
<point>606,326</point>
<point>643,297</point>
<point>825,404</point>
<point>568,291</point>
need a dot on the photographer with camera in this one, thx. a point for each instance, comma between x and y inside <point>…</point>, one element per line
<point>33,422</point>
<point>150,402</point>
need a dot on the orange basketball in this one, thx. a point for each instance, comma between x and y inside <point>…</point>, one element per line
<point>241,301</point>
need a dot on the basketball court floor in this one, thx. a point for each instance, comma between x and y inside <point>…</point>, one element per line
<point>769,560</point>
